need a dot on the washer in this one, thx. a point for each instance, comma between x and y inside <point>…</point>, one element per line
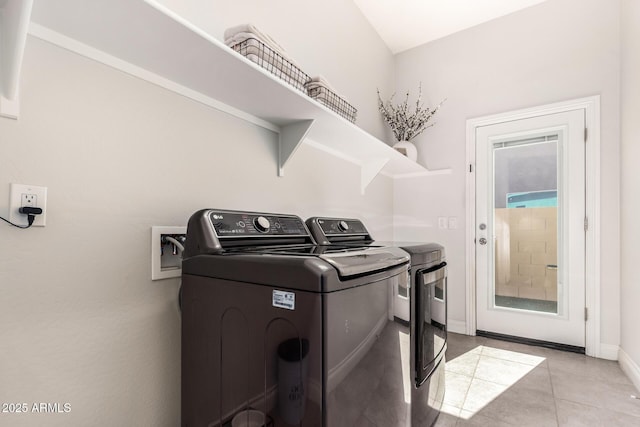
<point>423,305</point>
<point>299,332</point>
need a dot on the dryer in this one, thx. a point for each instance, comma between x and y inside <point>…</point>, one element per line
<point>300,332</point>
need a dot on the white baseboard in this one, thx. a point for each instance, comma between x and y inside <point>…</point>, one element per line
<point>457,326</point>
<point>629,367</point>
<point>608,351</point>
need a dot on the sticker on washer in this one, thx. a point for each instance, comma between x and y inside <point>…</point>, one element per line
<point>282,299</point>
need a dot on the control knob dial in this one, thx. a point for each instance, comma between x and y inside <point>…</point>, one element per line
<point>343,226</point>
<point>262,224</point>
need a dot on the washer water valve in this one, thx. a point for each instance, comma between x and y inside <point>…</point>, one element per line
<point>176,241</point>
<point>167,244</point>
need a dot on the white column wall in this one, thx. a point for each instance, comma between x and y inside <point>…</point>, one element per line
<point>630,194</point>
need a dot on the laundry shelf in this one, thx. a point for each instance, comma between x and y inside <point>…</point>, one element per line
<point>149,37</point>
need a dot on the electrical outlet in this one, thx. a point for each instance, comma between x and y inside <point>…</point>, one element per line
<point>27,195</point>
<point>442,222</point>
<point>453,222</point>
<point>29,200</point>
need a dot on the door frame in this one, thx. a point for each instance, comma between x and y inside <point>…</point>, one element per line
<point>591,107</point>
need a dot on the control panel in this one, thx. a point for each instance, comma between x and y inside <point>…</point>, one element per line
<point>249,224</point>
<point>337,226</point>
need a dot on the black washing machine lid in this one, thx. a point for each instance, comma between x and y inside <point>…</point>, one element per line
<point>351,231</point>
<point>366,260</point>
<point>348,260</point>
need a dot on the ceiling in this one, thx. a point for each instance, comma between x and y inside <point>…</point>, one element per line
<point>404,24</point>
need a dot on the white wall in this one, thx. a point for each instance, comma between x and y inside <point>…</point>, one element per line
<point>330,38</point>
<point>555,51</point>
<point>630,197</point>
<point>82,323</point>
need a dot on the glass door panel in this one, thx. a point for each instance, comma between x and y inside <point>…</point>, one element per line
<point>525,222</point>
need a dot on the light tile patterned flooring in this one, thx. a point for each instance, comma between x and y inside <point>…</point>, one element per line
<point>497,383</point>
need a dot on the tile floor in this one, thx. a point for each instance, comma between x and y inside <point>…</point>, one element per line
<point>496,383</point>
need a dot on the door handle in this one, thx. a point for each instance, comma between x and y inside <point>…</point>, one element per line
<point>482,241</point>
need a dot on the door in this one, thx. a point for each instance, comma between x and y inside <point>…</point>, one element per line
<point>530,228</point>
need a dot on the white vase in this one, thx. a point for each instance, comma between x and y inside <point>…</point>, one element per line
<point>408,149</point>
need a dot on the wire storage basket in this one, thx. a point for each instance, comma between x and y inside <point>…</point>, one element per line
<point>267,58</point>
<point>332,101</point>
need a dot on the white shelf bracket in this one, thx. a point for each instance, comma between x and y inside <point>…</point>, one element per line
<point>9,108</point>
<point>369,170</point>
<point>291,136</point>
<point>14,24</point>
